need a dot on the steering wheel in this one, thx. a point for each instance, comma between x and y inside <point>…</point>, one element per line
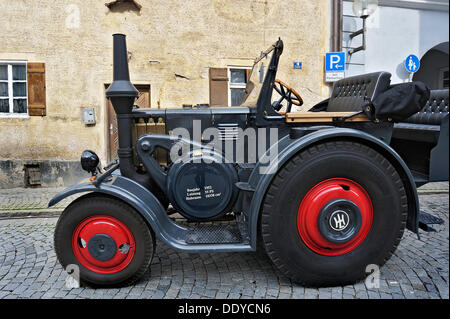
<point>287,93</point>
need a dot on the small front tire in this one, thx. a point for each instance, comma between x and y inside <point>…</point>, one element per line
<point>107,239</point>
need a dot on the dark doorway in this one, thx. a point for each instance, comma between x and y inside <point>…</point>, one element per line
<point>434,67</point>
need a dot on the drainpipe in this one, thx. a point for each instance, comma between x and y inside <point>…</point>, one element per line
<point>336,45</point>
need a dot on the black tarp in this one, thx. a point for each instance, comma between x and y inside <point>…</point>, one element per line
<point>397,103</point>
<point>400,101</point>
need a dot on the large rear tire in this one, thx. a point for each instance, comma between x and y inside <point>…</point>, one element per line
<point>108,240</point>
<point>331,211</point>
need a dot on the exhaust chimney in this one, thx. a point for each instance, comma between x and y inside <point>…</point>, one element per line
<point>120,56</point>
<point>122,94</point>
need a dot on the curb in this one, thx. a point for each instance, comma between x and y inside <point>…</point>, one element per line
<point>432,191</point>
<point>10,214</point>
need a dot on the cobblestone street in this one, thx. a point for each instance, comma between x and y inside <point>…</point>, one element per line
<point>29,269</point>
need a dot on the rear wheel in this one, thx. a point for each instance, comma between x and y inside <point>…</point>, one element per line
<point>107,239</point>
<point>331,211</point>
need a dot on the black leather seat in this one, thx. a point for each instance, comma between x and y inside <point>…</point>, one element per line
<point>427,120</point>
<point>434,111</point>
<point>349,94</point>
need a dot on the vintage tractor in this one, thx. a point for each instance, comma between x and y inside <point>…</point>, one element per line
<point>323,192</point>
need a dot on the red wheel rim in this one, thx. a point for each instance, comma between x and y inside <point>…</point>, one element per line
<point>316,199</point>
<point>109,226</point>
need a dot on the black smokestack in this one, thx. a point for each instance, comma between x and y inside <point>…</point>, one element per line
<point>122,94</point>
<point>120,52</point>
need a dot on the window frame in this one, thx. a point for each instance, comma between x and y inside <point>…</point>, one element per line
<point>234,85</point>
<point>10,81</point>
<point>441,77</point>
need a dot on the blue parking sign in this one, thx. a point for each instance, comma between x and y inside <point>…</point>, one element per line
<point>335,61</point>
<point>412,63</point>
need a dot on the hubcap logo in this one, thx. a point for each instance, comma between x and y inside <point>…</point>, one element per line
<point>339,220</point>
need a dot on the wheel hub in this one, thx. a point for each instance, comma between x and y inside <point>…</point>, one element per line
<point>103,244</point>
<point>102,247</point>
<point>335,217</point>
<point>339,220</point>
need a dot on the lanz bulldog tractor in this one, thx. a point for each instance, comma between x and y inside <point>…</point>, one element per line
<point>324,193</point>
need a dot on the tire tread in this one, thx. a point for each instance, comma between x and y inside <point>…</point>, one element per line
<point>296,161</point>
<point>144,228</point>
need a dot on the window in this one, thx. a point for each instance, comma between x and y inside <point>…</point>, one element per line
<point>13,88</point>
<point>443,78</point>
<point>238,77</point>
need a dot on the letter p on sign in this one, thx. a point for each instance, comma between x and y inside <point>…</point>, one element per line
<point>335,61</point>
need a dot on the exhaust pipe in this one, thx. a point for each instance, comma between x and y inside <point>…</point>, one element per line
<point>122,94</point>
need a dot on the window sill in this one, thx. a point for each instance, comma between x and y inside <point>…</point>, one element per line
<point>14,116</point>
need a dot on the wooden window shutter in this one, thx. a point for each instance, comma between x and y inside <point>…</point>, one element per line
<point>248,73</point>
<point>218,87</point>
<point>36,89</point>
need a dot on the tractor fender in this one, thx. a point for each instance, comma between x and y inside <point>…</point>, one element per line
<point>287,147</point>
<point>138,197</point>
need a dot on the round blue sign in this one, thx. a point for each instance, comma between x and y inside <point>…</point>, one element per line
<point>412,63</point>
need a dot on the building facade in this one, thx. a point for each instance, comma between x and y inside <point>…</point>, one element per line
<point>397,29</point>
<point>56,62</point>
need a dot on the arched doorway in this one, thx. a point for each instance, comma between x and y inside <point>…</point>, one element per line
<point>434,67</point>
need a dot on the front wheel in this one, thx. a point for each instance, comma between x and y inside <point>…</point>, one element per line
<point>331,211</point>
<point>108,240</point>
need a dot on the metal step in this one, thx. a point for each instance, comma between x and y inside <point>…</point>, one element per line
<point>214,234</point>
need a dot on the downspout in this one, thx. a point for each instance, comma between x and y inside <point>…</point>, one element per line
<point>336,42</point>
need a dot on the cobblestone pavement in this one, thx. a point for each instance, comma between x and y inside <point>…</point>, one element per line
<point>15,202</point>
<point>29,269</point>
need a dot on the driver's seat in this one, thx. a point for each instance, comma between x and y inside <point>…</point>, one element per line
<point>350,93</point>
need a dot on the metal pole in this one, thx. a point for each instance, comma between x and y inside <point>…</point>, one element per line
<point>337,25</point>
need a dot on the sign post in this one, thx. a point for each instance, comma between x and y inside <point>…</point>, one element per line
<point>334,66</point>
<point>412,65</point>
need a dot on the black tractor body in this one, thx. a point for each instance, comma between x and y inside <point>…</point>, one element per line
<point>325,193</point>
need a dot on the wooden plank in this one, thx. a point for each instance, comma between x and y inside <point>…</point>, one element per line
<point>322,117</point>
<point>141,128</point>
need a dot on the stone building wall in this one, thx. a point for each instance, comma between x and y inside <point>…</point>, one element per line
<point>172,45</point>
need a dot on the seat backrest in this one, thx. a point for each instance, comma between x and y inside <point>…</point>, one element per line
<point>434,111</point>
<point>349,94</point>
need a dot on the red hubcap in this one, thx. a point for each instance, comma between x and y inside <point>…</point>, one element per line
<point>334,189</point>
<point>103,244</point>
